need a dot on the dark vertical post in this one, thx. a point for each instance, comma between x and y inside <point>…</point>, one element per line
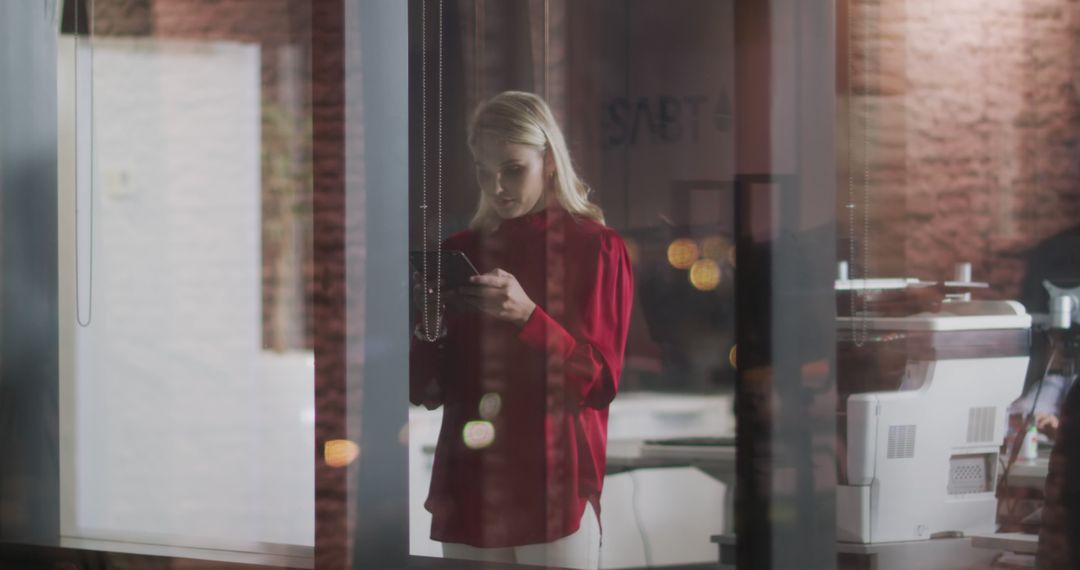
<point>809,286</point>
<point>29,383</point>
<point>753,287</point>
<point>377,156</point>
<point>786,248</point>
<point>29,482</point>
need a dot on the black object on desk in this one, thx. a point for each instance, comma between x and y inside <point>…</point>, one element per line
<point>705,441</point>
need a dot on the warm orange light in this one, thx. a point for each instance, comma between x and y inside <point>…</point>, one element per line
<point>705,275</point>
<point>340,452</point>
<point>715,247</point>
<point>731,356</point>
<point>682,253</point>
<point>478,434</point>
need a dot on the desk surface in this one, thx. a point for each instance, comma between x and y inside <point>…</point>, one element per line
<point>628,454</point>
<point>941,553</point>
<point>1017,542</point>
<point>718,461</point>
<point>1030,474</point>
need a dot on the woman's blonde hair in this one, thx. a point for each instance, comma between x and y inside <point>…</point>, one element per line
<point>524,118</point>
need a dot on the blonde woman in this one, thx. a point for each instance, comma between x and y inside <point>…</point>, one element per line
<point>527,365</point>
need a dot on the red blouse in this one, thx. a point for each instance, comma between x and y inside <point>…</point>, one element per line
<point>542,390</point>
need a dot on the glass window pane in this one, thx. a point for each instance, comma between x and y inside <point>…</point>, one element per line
<point>789,284</point>
<point>186,366</point>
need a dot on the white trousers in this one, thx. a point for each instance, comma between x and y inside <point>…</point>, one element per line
<point>579,550</point>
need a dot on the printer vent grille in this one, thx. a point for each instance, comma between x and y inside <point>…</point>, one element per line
<point>981,424</point>
<point>902,442</point>
<point>970,474</point>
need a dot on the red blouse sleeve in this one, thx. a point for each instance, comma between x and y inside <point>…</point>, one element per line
<point>592,337</point>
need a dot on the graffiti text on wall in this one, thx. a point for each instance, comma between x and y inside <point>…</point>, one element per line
<point>660,119</point>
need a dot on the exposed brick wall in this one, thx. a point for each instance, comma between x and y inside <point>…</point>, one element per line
<point>123,18</point>
<point>974,123</point>
<point>333,544</point>
<point>269,23</point>
<point>305,40</point>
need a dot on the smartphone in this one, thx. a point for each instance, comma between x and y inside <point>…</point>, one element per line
<point>456,267</point>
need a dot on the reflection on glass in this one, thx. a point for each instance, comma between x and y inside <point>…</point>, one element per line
<point>478,434</point>
<point>650,132</point>
<point>490,405</point>
<point>976,257</point>
<point>682,253</point>
<point>705,275</point>
<point>187,405</point>
<point>340,452</point>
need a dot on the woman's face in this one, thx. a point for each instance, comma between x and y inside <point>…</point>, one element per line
<point>512,176</point>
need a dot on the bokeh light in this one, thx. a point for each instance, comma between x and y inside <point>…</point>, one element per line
<point>490,405</point>
<point>682,253</point>
<point>731,356</point>
<point>705,275</point>
<point>340,452</point>
<point>715,248</point>
<point>478,434</point>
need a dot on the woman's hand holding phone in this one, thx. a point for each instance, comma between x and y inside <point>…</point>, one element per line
<point>498,294</point>
<point>453,267</point>
<point>425,292</point>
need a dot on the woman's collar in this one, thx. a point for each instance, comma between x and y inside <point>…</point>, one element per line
<point>540,220</point>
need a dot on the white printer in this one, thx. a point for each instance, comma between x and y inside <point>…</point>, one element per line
<point>920,457</point>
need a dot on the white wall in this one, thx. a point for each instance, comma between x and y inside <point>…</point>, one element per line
<point>176,425</point>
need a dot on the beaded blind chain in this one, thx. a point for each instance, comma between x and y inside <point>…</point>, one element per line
<point>859,326</point>
<point>432,317</point>
<point>78,281</point>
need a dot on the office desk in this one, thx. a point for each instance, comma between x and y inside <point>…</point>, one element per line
<point>937,554</point>
<point>628,454</point>
<point>1020,543</point>
<point>1019,548</point>
<point>976,551</point>
<point>1014,550</point>
<point>1030,474</point>
<point>671,500</point>
<point>716,461</point>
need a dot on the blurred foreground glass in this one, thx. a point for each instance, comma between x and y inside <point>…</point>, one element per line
<point>185,233</point>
